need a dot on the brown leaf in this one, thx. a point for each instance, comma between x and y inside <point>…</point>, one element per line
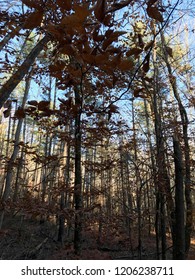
<point>149,45</point>
<point>107,20</point>
<point>113,50</point>
<point>36,4</point>
<point>137,92</point>
<point>30,109</point>
<point>53,30</point>
<point>146,65</point>
<point>33,102</point>
<point>65,4</point>
<point>20,113</point>
<point>100,10</point>
<point>7,104</point>
<point>68,49</point>
<point>46,113</point>
<point>154,13</point>
<point>113,108</point>
<point>6,113</point>
<point>33,20</point>
<point>140,41</point>
<point>148,79</point>
<point>125,64</point>
<point>134,51</point>
<point>113,36</point>
<point>118,6</point>
<point>95,32</point>
<point>75,20</point>
<point>114,80</point>
<point>43,105</point>
<point>108,83</point>
<point>152,2</point>
<point>169,51</point>
<point>101,59</point>
<point>89,58</point>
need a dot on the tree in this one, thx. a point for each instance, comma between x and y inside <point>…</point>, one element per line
<point>85,166</point>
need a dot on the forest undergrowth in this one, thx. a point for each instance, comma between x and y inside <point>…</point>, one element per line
<point>30,239</point>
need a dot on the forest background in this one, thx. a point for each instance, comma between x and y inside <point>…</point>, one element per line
<point>97,129</point>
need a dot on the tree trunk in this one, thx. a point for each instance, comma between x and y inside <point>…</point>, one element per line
<point>78,178</point>
<point>9,36</point>
<point>184,119</point>
<point>179,246</point>
<point>17,77</point>
<point>9,171</point>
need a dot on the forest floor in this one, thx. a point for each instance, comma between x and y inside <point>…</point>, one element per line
<point>25,240</point>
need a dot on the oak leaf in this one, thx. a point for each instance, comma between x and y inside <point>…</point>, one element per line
<point>36,4</point>
<point>125,64</point>
<point>140,41</point>
<point>96,36</point>
<point>7,112</point>
<point>101,58</point>
<point>146,65</point>
<point>68,49</point>
<point>89,58</point>
<point>113,36</point>
<point>65,4</point>
<point>34,20</point>
<point>33,102</point>
<point>169,51</point>
<point>113,108</point>
<point>154,13</point>
<point>149,45</point>
<point>20,113</point>
<point>134,51</point>
<point>118,6</point>
<point>43,105</point>
<point>152,2</point>
<point>100,10</point>
<point>138,92</point>
<point>75,20</point>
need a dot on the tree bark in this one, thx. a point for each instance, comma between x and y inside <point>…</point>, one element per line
<point>17,77</point>
<point>179,245</point>
<point>9,171</point>
<point>10,36</point>
<point>78,178</point>
<point>184,119</point>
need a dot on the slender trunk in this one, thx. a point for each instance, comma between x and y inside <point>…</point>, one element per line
<point>17,77</point>
<point>78,178</point>
<point>10,36</point>
<point>179,246</point>
<point>64,194</point>
<point>184,119</point>
<point>9,172</point>
<point>138,185</point>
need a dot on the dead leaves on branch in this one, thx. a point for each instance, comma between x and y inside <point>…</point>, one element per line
<point>169,50</point>
<point>65,4</point>
<point>33,20</point>
<point>20,113</point>
<point>36,4</point>
<point>111,37</point>
<point>140,92</point>
<point>134,51</point>
<point>146,65</point>
<point>76,19</point>
<point>100,10</point>
<point>117,6</point>
<point>103,14</point>
<point>126,65</point>
<point>153,11</point>
<point>36,109</point>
